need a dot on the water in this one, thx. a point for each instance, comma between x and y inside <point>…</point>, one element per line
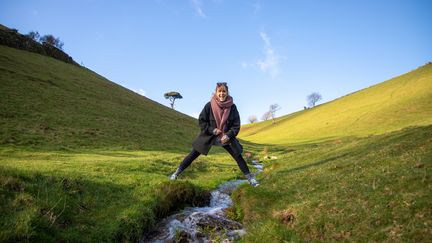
<point>188,225</point>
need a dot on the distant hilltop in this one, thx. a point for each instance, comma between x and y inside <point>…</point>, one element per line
<point>11,37</point>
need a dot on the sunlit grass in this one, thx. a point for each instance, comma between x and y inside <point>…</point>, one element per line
<point>397,103</point>
<point>88,195</point>
<point>370,189</point>
<point>358,168</point>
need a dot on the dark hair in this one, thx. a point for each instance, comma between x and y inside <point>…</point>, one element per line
<point>219,84</point>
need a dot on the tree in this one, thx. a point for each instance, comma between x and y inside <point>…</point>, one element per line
<point>33,35</point>
<point>266,116</point>
<point>252,119</point>
<point>51,40</point>
<point>272,110</point>
<point>313,98</point>
<point>172,96</point>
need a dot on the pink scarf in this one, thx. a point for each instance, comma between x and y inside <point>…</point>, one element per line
<point>221,111</point>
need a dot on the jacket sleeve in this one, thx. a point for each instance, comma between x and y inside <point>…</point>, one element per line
<point>204,120</point>
<point>235,127</point>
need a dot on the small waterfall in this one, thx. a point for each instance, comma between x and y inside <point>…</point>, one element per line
<point>194,224</point>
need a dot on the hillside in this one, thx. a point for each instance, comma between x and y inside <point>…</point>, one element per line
<point>11,37</point>
<point>84,159</point>
<point>356,169</point>
<point>400,102</point>
<point>47,103</point>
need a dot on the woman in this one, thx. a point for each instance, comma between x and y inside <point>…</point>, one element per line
<point>220,123</point>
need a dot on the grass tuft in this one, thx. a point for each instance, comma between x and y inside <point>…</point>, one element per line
<point>172,196</point>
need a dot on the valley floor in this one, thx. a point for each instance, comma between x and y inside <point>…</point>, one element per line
<point>97,195</point>
<point>377,188</point>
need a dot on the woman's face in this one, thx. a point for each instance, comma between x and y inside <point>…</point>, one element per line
<point>221,93</point>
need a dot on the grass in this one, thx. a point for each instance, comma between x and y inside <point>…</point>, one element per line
<point>84,158</point>
<point>354,169</point>
<point>358,189</point>
<point>376,188</point>
<point>96,195</point>
<point>389,106</point>
<point>53,105</point>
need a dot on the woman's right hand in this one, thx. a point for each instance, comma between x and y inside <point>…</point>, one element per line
<point>217,131</point>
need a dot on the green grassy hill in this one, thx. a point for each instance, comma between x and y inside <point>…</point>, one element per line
<point>357,169</point>
<point>48,103</point>
<point>372,189</point>
<point>84,159</point>
<point>397,103</point>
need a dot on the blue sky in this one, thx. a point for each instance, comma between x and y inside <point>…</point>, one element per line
<point>268,51</point>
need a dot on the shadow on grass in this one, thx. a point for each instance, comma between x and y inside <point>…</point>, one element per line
<point>99,150</point>
<point>50,208</point>
<point>371,143</point>
<point>59,208</point>
<point>315,164</point>
<point>159,166</point>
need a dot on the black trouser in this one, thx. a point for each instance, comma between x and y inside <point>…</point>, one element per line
<point>194,154</point>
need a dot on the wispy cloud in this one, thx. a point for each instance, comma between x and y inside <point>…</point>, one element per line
<point>244,64</point>
<point>266,39</point>
<point>198,6</point>
<point>270,63</point>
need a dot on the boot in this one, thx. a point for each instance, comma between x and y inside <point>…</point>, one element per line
<point>174,176</point>
<point>251,179</point>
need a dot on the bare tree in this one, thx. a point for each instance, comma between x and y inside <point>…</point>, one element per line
<point>272,110</point>
<point>313,98</point>
<point>33,35</point>
<point>266,116</point>
<point>51,40</point>
<point>172,96</point>
<point>252,119</point>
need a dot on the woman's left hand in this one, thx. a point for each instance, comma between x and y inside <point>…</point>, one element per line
<point>224,139</point>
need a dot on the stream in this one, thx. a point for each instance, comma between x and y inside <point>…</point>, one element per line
<point>202,224</point>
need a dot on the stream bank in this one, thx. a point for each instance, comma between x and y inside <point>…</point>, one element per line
<point>202,224</point>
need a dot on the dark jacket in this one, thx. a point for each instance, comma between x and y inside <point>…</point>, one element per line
<point>207,124</point>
